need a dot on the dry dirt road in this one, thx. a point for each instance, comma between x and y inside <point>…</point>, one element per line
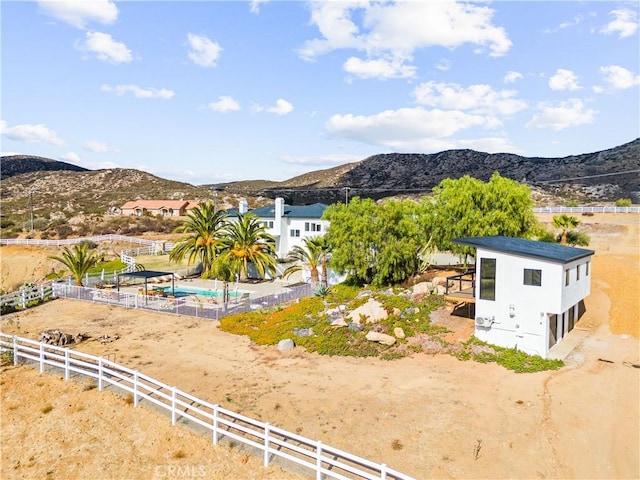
<point>426,415</point>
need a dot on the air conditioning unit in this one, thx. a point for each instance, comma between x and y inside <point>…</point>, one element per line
<point>483,321</point>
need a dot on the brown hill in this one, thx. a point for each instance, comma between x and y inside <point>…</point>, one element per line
<point>11,165</point>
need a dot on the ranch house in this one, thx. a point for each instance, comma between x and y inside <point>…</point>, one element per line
<point>528,294</point>
<point>164,208</point>
<point>290,225</point>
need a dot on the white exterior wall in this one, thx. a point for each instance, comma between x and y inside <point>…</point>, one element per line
<point>287,242</point>
<point>521,312</point>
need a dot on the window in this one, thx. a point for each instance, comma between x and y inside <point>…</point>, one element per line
<point>295,233</point>
<point>312,227</point>
<point>487,278</point>
<point>566,278</point>
<point>587,269</point>
<point>306,226</point>
<point>578,272</point>
<point>532,277</point>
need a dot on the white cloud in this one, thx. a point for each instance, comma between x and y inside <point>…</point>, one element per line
<point>139,92</point>
<point>203,51</point>
<point>103,46</point>
<point>566,114</point>
<point>404,129</point>
<point>511,76</point>
<point>331,160</point>
<point>282,107</point>
<point>570,23</point>
<point>378,68</point>
<point>625,23</point>
<point>72,157</point>
<point>564,80</point>
<point>619,77</point>
<point>481,99</point>
<point>98,147</point>
<point>224,104</point>
<point>397,30</point>
<point>443,65</point>
<point>254,7</point>
<point>78,13</point>
<point>31,134</point>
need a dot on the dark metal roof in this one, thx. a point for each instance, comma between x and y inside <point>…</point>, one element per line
<point>293,211</point>
<point>145,274</point>
<point>527,248</point>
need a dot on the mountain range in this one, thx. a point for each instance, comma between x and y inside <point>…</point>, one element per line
<point>59,189</point>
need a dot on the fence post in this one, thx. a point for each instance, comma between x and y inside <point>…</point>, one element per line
<point>15,350</point>
<point>266,445</point>
<point>319,460</point>
<point>135,388</point>
<point>24,299</point>
<point>100,374</point>
<point>66,363</point>
<point>215,424</point>
<point>173,405</point>
<point>383,471</point>
<point>41,357</point>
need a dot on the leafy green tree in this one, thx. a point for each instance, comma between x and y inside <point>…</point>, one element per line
<point>308,256</point>
<point>372,243</point>
<point>204,241</point>
<point>564,223</point>
<point>78,261</point>
<point>468,207</point>
<point>246,241</point>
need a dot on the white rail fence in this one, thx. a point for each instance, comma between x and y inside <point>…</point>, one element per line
<point>325,461</point>
<point>21,298</point>
<point>595,209</point>
<point>74,241</point>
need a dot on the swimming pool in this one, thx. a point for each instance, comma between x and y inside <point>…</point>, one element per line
<point>183,291</point>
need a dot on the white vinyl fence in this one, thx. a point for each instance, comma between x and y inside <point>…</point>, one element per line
<point>74,241</point>
<point>595,209</point>
<point>21,298</point>
<point>323,460</point>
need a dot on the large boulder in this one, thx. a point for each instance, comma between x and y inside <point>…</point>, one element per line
<point>382,338</point>
<point>422,288</point>
<point>286,344</point>
<point>372,311</point>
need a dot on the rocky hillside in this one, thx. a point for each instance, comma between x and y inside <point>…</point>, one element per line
<point>18,164</point>
<point>598,176</point>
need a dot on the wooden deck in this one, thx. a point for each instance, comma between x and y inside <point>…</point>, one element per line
<point>465,295</point>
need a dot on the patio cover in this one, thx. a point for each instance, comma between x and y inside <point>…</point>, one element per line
<point>147,274</point>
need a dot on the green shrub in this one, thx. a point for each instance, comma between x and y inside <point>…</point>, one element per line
<point>623,202</point>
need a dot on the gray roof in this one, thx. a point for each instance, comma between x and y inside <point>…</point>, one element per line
<point>293,211</point>
<point>527,248</point>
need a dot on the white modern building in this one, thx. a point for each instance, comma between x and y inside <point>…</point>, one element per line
<point>528,294</point>
<point>290,225</point>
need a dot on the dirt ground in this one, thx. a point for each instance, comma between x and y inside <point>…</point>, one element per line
<point>428,416</point>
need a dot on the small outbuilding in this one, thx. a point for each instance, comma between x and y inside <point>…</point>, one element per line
<point>528,294</point>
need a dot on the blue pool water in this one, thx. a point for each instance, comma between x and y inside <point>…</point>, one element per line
<point>183,291</point>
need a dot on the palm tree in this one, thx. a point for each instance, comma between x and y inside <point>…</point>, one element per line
<point>308,256</point>
<point>564,223</point>
<point>324,249</point>
<point>205,239</point>
<point>246,241</point>
<point>78,261</point>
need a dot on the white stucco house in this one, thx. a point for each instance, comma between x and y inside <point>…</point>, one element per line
<point>528,294</point>
<point>290,225</point>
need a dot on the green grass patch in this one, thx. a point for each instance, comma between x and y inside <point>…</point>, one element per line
<point>509,358</point>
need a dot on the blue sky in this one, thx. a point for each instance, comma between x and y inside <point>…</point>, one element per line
<point>209,91</point>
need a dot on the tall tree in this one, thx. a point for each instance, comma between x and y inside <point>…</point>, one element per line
<point>204,241</point>
<point>564,223</point>
<point>372,243</point>
<point>468,207</point>
<point>78,261</point>
<point>247,242</point>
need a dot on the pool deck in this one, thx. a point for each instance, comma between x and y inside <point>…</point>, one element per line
<point>257,289</point>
